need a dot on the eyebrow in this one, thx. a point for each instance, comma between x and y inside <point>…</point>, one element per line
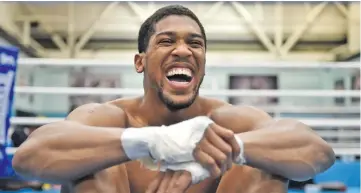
<point>170,33</point>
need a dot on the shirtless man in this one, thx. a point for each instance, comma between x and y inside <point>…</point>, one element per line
<point>97,148</point>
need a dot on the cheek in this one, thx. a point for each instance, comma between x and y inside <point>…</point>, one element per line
<point>199,56</point>
<point>201,68</point>
<point>154,73</point>
<point>155,64</point>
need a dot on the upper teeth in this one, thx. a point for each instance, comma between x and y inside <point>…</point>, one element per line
<point>183,71</point>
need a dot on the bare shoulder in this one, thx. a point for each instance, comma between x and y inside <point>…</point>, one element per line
<point>211,104</point>
<point>99,114</point>
<point>240,118</point>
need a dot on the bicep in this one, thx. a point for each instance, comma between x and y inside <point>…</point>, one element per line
<point>245,179</point>
<point>111,180</point>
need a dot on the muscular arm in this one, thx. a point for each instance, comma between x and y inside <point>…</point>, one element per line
<point>286,147</point>
<point>87,142</point>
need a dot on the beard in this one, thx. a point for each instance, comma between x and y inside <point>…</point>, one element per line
<point>173,105</point>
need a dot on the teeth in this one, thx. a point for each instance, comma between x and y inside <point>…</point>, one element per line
<point>182,71</point>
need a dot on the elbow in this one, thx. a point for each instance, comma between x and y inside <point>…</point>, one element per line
<point>322,158</point>
<point>325,157</point>
<point>22,161</point>
<point>18,164</point>
<point>320,154</point>
<point>25,161</point>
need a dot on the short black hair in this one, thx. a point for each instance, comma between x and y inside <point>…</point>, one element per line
<point>147,28</point>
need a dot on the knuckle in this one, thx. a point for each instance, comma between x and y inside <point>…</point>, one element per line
<point>197,149</point>
<point>176,185</point>
<point>202,141</point>
<point>227,133</point>
<point>208,131</point>
<point>211,125</point>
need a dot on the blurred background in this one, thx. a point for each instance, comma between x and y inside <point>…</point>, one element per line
<point>292,59</point>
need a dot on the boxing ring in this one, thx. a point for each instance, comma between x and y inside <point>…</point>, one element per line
<point>325,126</point>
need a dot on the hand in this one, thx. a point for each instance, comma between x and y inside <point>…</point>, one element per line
<point>217,149</point>
<point>175,143</point>
<point>170,181</point>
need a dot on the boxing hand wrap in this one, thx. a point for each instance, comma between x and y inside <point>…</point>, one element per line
<point>198,172</point>
<point>171,144</point>
<point>175,143</point>
<point>240,159</point>
<point>136,142</point>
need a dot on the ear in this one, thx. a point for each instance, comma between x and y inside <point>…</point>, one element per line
<point>138,63</point>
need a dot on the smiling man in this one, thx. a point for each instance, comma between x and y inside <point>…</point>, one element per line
<point>203,144</point>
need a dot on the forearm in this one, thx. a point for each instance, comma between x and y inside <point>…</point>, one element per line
<point>287,148</point>
<point>68,150</point>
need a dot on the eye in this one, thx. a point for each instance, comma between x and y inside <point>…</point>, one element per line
<point>196,44</point>
<point>166,41</point>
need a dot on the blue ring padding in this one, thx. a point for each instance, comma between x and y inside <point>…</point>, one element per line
<point>6,169</point>
<point>8,68</point>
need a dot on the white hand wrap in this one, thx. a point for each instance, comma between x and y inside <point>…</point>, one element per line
<point>135,142</point>
<point>171,144</point>
<point>175,143</point>
<point>197,171</point>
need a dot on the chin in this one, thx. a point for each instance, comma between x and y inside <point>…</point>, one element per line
<point>177,107</point>
<point>175,103</point>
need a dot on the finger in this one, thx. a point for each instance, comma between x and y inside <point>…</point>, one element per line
<point>173,181</point>
<point>165,181</point>
<point>153,186</point>
<point>230,138</point>
<point>218,142</point>
<point>227,135</point>
<point>183,182</point>
<point>208,162</point>
<point>221,131</point>
<point>213,152</point>
<point>236,149</point>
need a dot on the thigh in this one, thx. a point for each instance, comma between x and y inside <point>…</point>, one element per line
<point>244,179</point>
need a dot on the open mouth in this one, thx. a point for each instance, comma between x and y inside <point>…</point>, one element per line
<point>180,75</point>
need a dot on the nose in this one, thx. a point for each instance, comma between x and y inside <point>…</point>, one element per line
<point>181,50</point>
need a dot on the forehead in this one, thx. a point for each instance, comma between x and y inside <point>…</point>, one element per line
<point>178,24</point>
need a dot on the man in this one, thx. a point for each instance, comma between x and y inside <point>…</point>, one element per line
<point>195,139</point>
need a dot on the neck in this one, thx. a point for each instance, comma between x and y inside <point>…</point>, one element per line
<point>156,113</point>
